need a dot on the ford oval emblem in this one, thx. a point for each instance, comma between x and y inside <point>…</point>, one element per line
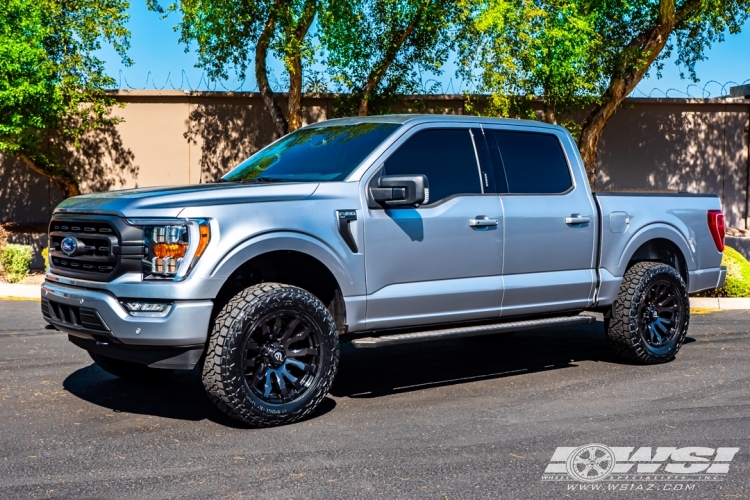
<point>69,245</point>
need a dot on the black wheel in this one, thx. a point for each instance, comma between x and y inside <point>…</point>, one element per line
<point>127,369</point>
<point>651,314</point>
<point>272,355</point>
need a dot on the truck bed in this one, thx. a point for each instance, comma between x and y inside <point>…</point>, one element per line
<point>628,221</point>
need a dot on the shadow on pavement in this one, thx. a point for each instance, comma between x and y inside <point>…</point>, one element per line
<point>367,373</point>
<point>370,373</point>
<point>179,396</point>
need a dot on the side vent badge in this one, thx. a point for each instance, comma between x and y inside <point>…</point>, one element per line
<point>343,218</point>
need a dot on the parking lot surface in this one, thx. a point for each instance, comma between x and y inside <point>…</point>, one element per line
<point>471,418</point>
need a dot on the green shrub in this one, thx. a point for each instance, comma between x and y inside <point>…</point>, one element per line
<point>738,274</point>
<point>45,256</point>
<point>16,260</point>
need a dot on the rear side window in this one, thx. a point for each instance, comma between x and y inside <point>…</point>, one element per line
<point>531,162</point>
<point>445,156</point>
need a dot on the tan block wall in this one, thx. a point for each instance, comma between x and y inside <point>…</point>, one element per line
<point>698,147</point>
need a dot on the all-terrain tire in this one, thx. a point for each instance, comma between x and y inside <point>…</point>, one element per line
<point>127,369</point>
<point>645,327</point>
<point>239,373</point>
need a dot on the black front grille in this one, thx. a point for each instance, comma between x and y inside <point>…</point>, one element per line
<point>77,317</point>
<point>83,266</point>
<point>105,247</point>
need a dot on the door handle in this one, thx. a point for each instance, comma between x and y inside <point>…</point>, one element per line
<point>482,221</point>
<point>577,220</point>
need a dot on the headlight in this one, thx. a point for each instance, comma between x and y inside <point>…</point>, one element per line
<point>172,247</point>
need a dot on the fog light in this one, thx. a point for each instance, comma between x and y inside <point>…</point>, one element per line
<point>147,308</point>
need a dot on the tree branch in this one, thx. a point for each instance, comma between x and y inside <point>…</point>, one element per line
<point>647,45</point>
<point>65,181</point>
<point>378,71</point>
<point>294,64</point>
<point>261,71</point>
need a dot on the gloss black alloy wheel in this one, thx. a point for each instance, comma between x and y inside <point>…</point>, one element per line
<point>281,356</point>
<point>660,314</point>
<point>650,316</point>
<point>272,355</point>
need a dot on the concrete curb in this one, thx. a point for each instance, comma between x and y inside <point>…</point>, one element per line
<point>719,303</point>
<point>14,291</point>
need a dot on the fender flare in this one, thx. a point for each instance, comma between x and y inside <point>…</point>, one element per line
<point>286,240</point>
<point>653,232</point>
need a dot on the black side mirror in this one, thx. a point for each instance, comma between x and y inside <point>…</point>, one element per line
<point>401,190</point>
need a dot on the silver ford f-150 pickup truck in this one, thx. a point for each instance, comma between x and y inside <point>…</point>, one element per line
<point>375,231</point>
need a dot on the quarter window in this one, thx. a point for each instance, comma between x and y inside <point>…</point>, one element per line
<point>445,156</point>
<point>532,163</point>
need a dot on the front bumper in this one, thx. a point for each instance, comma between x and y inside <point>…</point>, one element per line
<point>99,315</point>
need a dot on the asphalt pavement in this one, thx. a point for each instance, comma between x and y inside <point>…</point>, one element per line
<point>471,418</point>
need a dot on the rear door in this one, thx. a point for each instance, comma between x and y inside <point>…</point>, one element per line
<point>550,222</point>
<point>428,264</point>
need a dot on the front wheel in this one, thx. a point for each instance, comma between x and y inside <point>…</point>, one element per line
<point>272,355</point>
<point>651,314</point>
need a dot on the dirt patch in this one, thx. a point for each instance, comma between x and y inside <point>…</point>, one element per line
<point>738,233</point>
<point>34,278</point>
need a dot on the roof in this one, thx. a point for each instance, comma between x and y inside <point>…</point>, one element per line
<point>413,119</point>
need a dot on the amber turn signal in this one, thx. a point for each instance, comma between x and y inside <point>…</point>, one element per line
<point>173,250</point>
<point>205,236</point>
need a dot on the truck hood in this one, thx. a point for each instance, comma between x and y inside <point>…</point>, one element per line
<point>170,201</point>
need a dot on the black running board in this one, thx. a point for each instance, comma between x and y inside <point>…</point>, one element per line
<point>467,331</point>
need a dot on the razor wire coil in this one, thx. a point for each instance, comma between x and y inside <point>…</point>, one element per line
<point>712,88</point>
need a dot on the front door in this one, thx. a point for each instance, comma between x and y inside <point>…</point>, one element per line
<point>428,264</point>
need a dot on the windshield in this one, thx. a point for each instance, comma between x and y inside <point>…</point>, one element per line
<point>313,154</point>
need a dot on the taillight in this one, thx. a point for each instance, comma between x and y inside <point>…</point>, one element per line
<point>717,228</point>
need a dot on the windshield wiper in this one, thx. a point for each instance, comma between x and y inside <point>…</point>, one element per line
<point>259,180</point>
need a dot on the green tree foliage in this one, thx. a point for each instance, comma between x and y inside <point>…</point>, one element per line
<point>517,50</point>
<point>229,34</point>
<point>379,48</point>
<point>584,53</point>
<point>52,86</point>
<point>637,35</point>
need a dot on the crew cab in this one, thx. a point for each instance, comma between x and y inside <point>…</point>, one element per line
<point>375,231</point>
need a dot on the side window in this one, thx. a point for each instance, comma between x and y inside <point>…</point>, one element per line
<point>445,156</point>
<point>531,162</point>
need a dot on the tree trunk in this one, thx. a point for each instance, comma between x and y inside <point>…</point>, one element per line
<point>261,72</point>
<point>549,116</point>
<point>294,113</point>
<point>65,181</point>
<point>647,45</point>
<point>295,36</point>
<point>379,70</point>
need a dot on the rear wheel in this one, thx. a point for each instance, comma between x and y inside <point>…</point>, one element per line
<point>651,314</point>
<point>272,355</point>
<point>127,369</point>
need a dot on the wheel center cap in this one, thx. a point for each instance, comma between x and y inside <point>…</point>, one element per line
<point>276,355</point>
